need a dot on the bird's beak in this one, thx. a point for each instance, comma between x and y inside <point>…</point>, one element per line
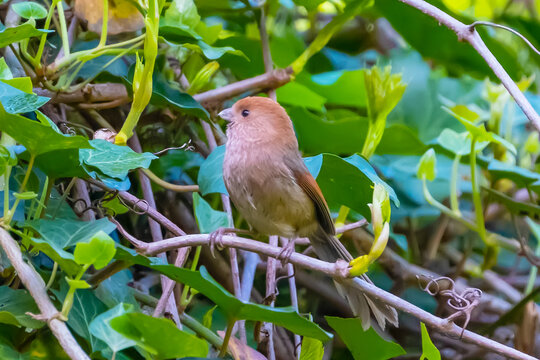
<point>226,114</point>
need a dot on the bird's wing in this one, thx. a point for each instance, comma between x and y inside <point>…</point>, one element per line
<point>311,188</point>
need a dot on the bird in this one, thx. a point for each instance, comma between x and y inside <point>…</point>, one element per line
<point>271,187</point>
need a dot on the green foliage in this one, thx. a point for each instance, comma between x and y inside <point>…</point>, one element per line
<point>418,128</point>
<point>30,10</point>
<point>232,307</point>
<point>312,349</point>
<point>208,219</point>
<point>11,35</point>
<point>429,351</point>
<point>363,344</point>
<point>148,333</point>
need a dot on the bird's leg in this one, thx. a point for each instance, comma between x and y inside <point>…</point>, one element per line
<point>216,237</point>
<point>285,254</point>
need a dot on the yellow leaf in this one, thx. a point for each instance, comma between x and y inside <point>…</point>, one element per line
<point>123,16</point>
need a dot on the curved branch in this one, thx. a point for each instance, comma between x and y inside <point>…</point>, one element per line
<point>468,33</point>
<point>35,285</point>
<point>340,274</point>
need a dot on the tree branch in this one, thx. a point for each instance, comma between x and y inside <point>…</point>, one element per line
<point>469,34</point>
<point>108,92</point>
<point>340,274</point>
<point>35,285</point>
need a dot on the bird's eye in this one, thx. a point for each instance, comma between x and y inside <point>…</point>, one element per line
<point>245,113</point>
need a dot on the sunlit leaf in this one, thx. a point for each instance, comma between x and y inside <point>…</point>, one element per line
<point>30,10</point>
<point>429,351</point>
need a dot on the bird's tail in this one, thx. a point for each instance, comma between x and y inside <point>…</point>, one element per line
<point>329,248</point>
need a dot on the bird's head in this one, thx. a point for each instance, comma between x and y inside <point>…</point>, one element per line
<point>258,114</point>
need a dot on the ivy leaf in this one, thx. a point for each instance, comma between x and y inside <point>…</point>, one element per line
<point>112,160</point>
<point>210,177</point>
<point>86,307</point>
<point>458,143</point>
<point>101,328</point>
<point>231,306</point>
<point>98,252</point>
<point>38,137</point>
<point>30,10</point>
<point>363,344</point>
<point>12,35</point>
<point>14,305</point>
<point>59,235</point>
<point>429,351</point>
<point>208,219</point>
<point>16,101</point>
<point>5,71</point>
<point>158,336</point>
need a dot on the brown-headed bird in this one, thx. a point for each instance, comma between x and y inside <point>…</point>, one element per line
<point>272,188</point>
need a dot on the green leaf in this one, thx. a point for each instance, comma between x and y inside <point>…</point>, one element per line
<point>59,235</point>
<point>208,219</point>
<point>86,307</point>
<point>345,133</point>
<point>37,137</point>
<point>115,290</point>
<point>459,144</point>
<point>515,207</point>
<point>429,351</point>
<point>297,94</point>
<point>522,177</point>
<point>347,181</point>
<point>98,252</point>
<point>16,101</point>
<point>12,35</point>
<point>427,166</point>
<point>233,308</point>
<point>101,328</point>
<point>182,13</point>
<point>338,87</point>
<point>14,304</point>
<point>8,351</point>
<point>112,160</point>
<point>77,284</point>
<point>312,349</point>
<point>210,178</point>
<point>166,95</point>
<point>363,344</point>
<point>5,71</point>
<point>160,337</point>
<point>30,10</point>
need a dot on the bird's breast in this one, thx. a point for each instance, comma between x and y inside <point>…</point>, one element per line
<point>265,191</point>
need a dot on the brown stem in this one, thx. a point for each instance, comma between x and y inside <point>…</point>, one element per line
<point>469,34</point>
<point>35,285</point>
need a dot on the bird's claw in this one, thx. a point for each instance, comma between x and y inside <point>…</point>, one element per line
<point>216,238</point>
<point>286,253</point>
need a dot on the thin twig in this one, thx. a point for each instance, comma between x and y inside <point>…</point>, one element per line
<point>142,206</point>
<point>339,273</point>
<point>515,32</point>
<point>155,230</point>
<point>469,34</point>
<point>35,285</point>
<point>294,297</point>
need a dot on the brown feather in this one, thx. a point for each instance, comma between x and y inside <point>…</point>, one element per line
<point>311,188</point>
